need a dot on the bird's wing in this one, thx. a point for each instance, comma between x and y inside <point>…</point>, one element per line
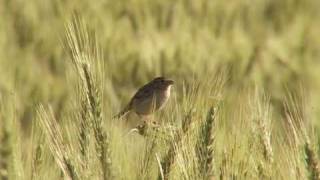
<point>144,92</point>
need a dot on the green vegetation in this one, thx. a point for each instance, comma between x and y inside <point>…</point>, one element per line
<point>245,104</point>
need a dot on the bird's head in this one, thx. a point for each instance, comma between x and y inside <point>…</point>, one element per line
<point>162,82</point>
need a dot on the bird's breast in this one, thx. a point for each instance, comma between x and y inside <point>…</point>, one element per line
<point>152,103</point>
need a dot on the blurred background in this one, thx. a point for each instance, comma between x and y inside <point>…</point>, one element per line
<point>271,44</point>
<point>268,52</point>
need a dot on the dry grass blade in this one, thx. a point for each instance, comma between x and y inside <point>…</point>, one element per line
<point>5,151</point>
<point>295,109</point>
<point>298,134</point>
<point>54,136</point>
<point>37,161</point>
<point>146,162</point>
<point>11,165</point>
<point>37,150</point>
<point>312,162</point>
<point>4,155</point>
<point>168,159</point>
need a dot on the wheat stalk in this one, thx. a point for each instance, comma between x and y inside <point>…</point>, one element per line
<point>84,52</point>
<point>54,137</point>
<point>204,147</point>
<point>84,131</point>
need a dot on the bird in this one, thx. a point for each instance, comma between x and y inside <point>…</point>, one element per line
<point>149,98</point>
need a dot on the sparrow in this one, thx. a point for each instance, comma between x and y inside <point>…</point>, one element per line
<point>149,98</point>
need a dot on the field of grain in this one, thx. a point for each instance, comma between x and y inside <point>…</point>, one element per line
<point>245,103</point>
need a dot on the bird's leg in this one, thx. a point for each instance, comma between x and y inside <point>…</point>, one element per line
<point>149,119</point>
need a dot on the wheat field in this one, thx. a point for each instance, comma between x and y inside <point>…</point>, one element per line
<point>245,104</point>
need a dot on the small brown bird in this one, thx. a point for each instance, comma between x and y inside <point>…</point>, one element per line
<point>149,98</point>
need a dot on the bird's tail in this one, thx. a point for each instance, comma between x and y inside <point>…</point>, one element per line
<point>122,113</point>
